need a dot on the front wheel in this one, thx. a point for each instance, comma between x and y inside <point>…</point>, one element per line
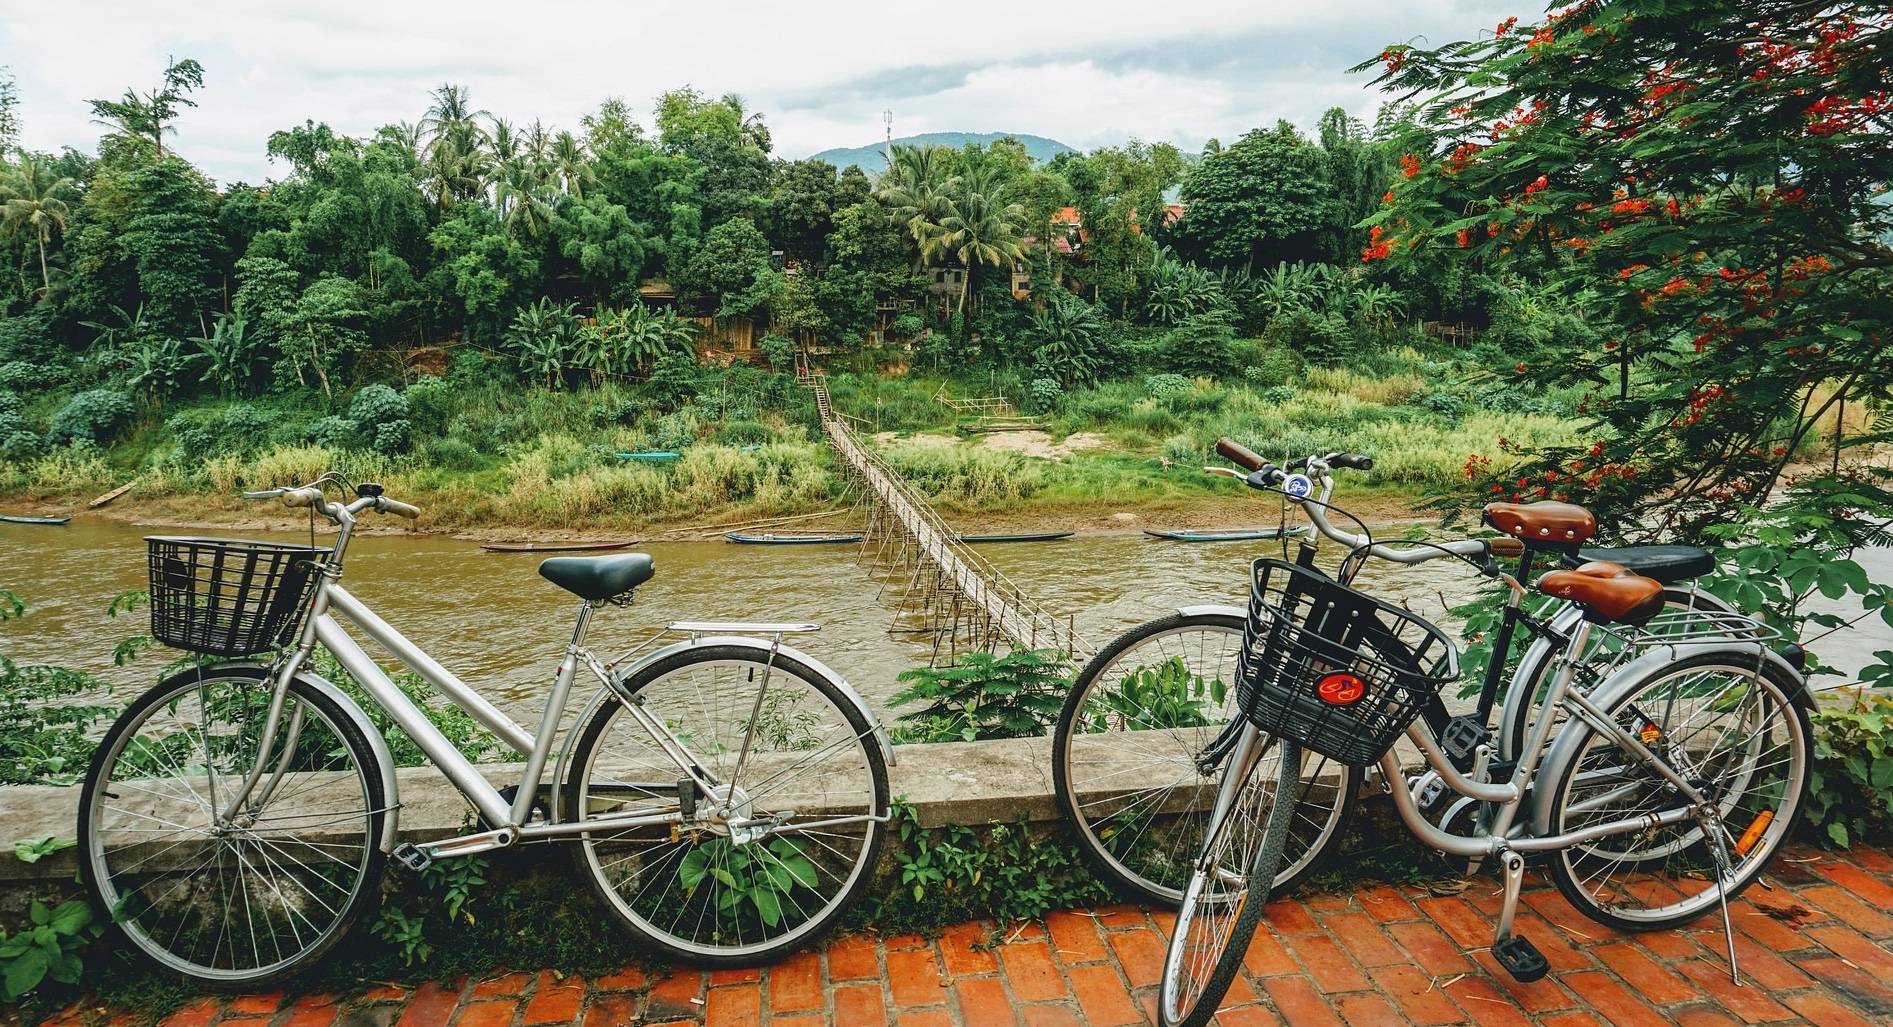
<point>1738,732</point>
<point>232,901</point>
<point>1126,769</point>
<point>763,859</point>
<point>1222,906</point>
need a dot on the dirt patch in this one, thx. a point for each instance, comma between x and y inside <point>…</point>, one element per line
<point>1040,444</point>
<point>889,438</point>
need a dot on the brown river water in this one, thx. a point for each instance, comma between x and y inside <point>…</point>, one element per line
<point>490,618</point>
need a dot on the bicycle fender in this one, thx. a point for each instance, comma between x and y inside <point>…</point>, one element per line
<point>1569,741</point>
<point>1213,610</point>
<point>391,788</point>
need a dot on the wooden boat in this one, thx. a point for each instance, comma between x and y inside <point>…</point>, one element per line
<point>654,456</point>
<point>1239,535</point>
<point>554,547</point>
<point>1018,536</point>
<point>24,519</point>
<point>805,538</point>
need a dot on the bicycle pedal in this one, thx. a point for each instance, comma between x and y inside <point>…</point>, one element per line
<point>412,856</point>
<point>1461,740</point>
<point>1521,959</point>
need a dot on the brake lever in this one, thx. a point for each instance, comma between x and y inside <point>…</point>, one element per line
<point>1226,472</point>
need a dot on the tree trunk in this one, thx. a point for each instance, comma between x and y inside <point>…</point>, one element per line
<point>45,277</point>
<point>966,286</point>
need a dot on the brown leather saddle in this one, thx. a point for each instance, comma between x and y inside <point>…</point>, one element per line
<point>1608,592</point>
<point>1562,524</point>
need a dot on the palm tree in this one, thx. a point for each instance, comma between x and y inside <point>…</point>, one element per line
<point>978,228</point>
<point>34,203</point>
<point>523,208</point>
<point>569,165</point>
<point>535,144</point>
<point>455,155</point>
<point>915,186</point>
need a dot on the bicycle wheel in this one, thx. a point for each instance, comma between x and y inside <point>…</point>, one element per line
<point>1740,736</point>
<point>1125,764</point>
<point>232,902</point>
<point>1221,908</point>
<point>736,878</point>
<point>1603,653</point>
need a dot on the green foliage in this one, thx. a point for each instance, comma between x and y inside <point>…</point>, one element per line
<point>96,415</point>
<point>449,886</point>
<point>1264,199</point>
<point>459,728</point>
<point>1165,695</point>
<point>48,947</point>
<point>1070,333</point>
<point>1046,393</point>
<point>1850,788</point>
<point>1002,872</point>
<point>750,882</point>
<point>32,850</point>
<point>983,696</point>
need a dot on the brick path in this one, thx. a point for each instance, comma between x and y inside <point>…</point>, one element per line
<point>1816,948</point>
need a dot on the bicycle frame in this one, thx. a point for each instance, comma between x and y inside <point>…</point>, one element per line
<point>332,603</point>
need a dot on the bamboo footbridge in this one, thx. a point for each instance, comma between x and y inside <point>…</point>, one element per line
<point>945,588</point>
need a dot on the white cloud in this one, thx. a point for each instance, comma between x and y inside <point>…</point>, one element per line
<point>1084,73</point>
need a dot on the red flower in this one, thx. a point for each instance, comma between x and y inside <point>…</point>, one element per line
<point>1409,165</point>
<point>1672,208</point>
<point>1387,197</point>
<point>1377,249</point>
<point>1540,185</point>
<point>1505,26</point>
<point>1463,237</point>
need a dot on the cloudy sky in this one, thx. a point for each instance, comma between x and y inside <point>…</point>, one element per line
<point>1087,74</point>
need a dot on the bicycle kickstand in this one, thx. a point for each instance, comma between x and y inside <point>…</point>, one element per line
<point>1515,952</point>
<point>1720,850</point>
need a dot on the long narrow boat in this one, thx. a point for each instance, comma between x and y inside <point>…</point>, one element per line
<point>654,456</point>
<point>793,538</point>
<point>1018,536</point>
<point>24,519</point>
<point>554,547</point>
<point>1248,535</point>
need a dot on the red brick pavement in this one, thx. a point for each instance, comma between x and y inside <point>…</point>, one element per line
<point>1816,946</point>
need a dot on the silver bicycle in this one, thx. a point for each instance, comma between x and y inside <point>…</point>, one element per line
<point>1653,796</point>
<point>726,795</point>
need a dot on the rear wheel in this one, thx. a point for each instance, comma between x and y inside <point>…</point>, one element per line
<point>1738,735</point>
<point>769,857</point>
<point>232,902</point>
<point>1126,768</point>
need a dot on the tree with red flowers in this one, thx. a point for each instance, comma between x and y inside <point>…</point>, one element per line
<point>1707,183</point>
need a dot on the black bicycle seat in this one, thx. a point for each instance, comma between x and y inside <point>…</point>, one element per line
<point>1667,564</point>
<point>598,577</point>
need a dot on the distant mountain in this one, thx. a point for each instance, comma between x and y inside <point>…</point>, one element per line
<point>873,161</point>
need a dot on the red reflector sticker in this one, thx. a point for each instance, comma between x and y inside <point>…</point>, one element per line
<point>1340,688</point>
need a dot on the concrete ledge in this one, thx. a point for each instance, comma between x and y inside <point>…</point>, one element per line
<point>950,783</point>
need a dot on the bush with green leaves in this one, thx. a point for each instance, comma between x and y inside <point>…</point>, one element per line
<point>983,696</point>
<point>376,404</point>
<point>1006,872</point>
<point>452,454</point>
<point>1850,789</point>
<point>393,438</point>
<point>1273,365</point>
<point>96,415</point>
<point>21,446</point>
<point>1046,394</point>
<point>22,376</point>
<point>240,429</point>
<point>676,378</point>
<point>1199,345</point>
<point>1167,384</point>
<point>777,350</point>
<point>431,403</point>
<point>743,433</point>
<point>335,432</point>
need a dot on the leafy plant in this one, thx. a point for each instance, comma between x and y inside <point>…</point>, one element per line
<point>1850,788</point>
<point>96,415</point>
<point>1164,695</point>
<point>748,878</point>
<point>1003,871</point>
<point>32,850</point>
<point>44,739</point>
<point>48,947</point>
<point>1017,695</point>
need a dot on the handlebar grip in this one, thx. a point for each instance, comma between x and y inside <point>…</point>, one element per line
<point>1354,461</point>
<point>398,508</point>
<point>1239,454</point>
<point>265,494</point>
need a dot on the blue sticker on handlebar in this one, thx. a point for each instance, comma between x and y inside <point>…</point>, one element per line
<point>1298,485</point>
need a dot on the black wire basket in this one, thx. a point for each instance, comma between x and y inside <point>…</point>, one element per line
<point>229,597</point>
<point>1335,670</point>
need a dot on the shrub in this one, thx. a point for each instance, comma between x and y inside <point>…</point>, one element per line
<point>393,437</point>
<point>1161,385</point>
<point>1199,345</point>
<point>675,378</point>
<point>983,696</point>
<point>431,403</point>
<point>96,415</point>
<point>1273,366</point>
<point>10,403</point>
<point>778,350</point>
<point>452,455</point>
<point>20,446</point>
<point>1851,783</point>
<point>205,433</point>
<point>1046,392</point>
<point>743,433</point>
<point>1278,395</point>
<point>376,404</point>
<point>334,432</point>
<point>676,430</point>
<point>21,376</point>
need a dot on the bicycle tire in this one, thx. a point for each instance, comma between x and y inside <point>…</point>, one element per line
<point>1255,897</point>
<point>1107,863</point>
<point>593,732</point>
<point>105,892</point>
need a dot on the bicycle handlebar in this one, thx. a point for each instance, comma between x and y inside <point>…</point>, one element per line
<point>311,495</point>
<point>1239,454</point>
